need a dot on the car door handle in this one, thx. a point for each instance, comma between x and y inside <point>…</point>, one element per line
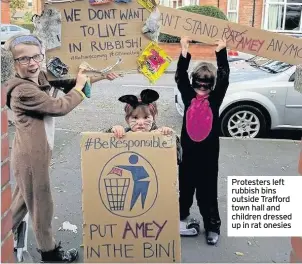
<point>272,91</point>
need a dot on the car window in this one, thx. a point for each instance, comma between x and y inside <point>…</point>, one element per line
<point>269,65</point>
<point>3,29</point>
<point>292,77</point>
<point>258,60</point>
<point>14,28</point>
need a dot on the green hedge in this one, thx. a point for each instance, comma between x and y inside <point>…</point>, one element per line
<point>29,26</point>
<point>205,10</point>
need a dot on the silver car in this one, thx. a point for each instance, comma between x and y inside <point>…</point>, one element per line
<point>8,30</point>
<point>260,97</point>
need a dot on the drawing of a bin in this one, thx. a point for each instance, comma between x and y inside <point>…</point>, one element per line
<point>116,190</point>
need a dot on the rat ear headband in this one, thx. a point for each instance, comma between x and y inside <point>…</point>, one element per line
<point>147,97</point>
<point>25,39</point>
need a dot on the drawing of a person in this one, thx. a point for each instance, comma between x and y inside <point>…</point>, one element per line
<point>138,173</point>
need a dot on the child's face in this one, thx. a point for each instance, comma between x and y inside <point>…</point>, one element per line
<point>28,63</point>
<point>140,120</point>
<point>202,91</point>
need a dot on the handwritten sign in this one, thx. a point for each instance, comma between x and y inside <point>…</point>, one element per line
<point>99,34</point>
<point>127,185</point>
<point>242,38</point>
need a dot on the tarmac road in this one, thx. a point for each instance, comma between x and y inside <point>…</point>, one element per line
<point>238,157</point>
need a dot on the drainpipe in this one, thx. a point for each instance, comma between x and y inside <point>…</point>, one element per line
<point>254,9</point>
<point>218,3</point>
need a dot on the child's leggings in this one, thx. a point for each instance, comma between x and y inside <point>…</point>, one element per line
<point>200,173</point>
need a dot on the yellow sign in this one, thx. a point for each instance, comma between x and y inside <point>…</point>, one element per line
<point>149,4</point>
<point>153,62</point>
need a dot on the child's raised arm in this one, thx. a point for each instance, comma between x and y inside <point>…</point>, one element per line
<point>68,84</point>
<point>31,99</point>
<point>181,76</point>
<point>223,73</point>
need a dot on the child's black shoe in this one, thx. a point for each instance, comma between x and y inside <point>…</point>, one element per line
<point>212,238</point>
<point>59,255</point>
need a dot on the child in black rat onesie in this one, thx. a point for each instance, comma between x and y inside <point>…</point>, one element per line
<point>200,138</point>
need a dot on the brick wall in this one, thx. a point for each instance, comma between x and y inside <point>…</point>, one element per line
<point>38,6</point>
<point>6,195</point>
<point>245,10</point>
<point>5,12</point>
<point>198,51</point>
<point>296,253</point>
<point>209,2</point>
<point>246,13</point>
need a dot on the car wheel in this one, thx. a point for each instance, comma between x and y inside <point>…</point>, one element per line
<point>244,121</point>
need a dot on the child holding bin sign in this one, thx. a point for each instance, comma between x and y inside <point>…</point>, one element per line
<point>140,114</point>
<point>198,170</point>
<point>33,107</point>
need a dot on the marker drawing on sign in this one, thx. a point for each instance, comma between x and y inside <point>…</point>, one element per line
<point>140,187</point>
<point>240,40</point>
<point>144,230</point>
<point>246,39</point>
<point>110,251</point>
<point>125,189</point>
<point>101,230</point>
<point>159,250</point>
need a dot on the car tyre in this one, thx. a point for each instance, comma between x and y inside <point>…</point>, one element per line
<point>254,121</point>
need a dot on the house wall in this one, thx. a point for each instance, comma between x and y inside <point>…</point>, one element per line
<point>246,10</point>
<point>198,51</point>
<point>5,12</point>
<point>7,249</point>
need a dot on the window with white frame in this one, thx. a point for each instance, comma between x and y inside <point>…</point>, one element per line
<point>178,3</point>
<point>233,10</point>
<point>283,15</point>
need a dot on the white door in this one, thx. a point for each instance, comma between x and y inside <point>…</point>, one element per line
<point>293,105</point>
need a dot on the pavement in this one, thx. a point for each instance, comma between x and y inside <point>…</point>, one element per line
<point>270,157</point>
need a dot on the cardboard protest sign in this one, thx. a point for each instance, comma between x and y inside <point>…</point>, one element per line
<point>100,34</point>
<point>130,198</point>
<point>242,38</point>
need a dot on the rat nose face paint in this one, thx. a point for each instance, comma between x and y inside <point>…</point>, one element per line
<point>140,122</point>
